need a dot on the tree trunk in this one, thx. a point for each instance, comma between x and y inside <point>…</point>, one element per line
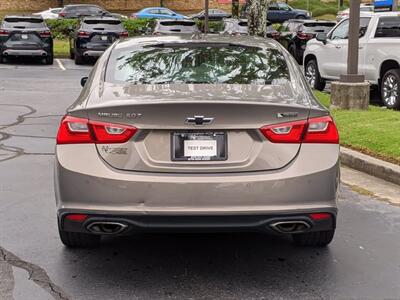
<point>161,3</point>
<point>257,17</point>
<point>235,8</point>
<point>60,3</point>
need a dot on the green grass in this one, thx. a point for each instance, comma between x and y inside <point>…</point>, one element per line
<point>374,131</point>
<point>318,8</point>
<point>61,48</point>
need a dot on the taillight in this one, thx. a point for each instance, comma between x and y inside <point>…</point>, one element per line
<point>304,36</point>
<point>4,32</point>
<point>82,131</point>
<point>315,130</point>
<point>83,34</point>
<point>124,34</point>
<point>275,35</point>
<point>45,34</point>
<point>61,14</point>
<point>320,216</point>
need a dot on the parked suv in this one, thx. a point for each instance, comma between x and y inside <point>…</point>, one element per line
<point>296,33</point>
<point>279,12</point>
<point>325,57</point>
<point>75,11</point>
<point>25,36</point>
<point>94,36</point>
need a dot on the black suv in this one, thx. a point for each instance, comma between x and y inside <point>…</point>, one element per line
<point>296,33</point>
<point>76,11</point>
<point>25,36</point>
<point>94,36</point>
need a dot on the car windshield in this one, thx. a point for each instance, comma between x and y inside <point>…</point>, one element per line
<point>197,63</point>
<point>23,23</point>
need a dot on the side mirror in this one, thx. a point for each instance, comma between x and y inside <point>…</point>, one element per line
<point>83,81</point>
<point>322,37</point>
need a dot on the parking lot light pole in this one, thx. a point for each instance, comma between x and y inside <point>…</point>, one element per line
<point>353,45</point>
<point>351,91</point>
<point>206,4</point>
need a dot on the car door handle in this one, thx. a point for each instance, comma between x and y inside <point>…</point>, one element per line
<point>338,46</point>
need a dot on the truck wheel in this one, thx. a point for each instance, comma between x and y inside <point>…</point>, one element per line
<point>79,240</point>
<point>390,89</point>
<point>313,77</point>
<point>49,60</point>
<point>301,17</point>
<point>316,239</point>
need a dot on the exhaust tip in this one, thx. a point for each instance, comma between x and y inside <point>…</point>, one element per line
<point>106,227</point>
<point>290,226</point>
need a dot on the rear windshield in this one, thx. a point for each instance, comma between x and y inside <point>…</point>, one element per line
<point>197,63</point>
<point>177,23</point>
<point>23,23</point>
<point>317,27</point>
<point>388,27</point>
<point>102,24</point>
<point>244,24</point>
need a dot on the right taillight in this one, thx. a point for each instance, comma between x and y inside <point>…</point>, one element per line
<point>4,32</point>
<point>314,130</point>
<point>61,14</point>
<point>83,131</point>
<point>83,34</point>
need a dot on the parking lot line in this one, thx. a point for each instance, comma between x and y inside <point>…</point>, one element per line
<point>60,64</point>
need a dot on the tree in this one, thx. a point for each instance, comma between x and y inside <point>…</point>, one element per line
<point>161,3</point>
<point>257,17</point>
<point>61,3</point>
<point>235,8</point>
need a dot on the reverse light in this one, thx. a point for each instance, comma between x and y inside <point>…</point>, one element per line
<point>314,130</point>
<point>82,131</point>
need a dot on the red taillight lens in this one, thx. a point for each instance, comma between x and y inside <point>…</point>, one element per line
<point>315,130</point>
<point>285,132</point>
<point>124,34</point>
<point>83,34</point>
<point>45,34</point>
<point>76,217</point>
<point>4,32</point>
<point>275,35</point>
<point>82,131</point>
<point>304,36</point>
<point>320,216</point>
<point>321,130</point>
<point>62,15</point>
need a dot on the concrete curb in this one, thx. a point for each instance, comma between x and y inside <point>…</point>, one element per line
<point>370,165</point>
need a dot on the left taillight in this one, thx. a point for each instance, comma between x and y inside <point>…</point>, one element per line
<point>83,131</point>
<point>124,34</point>
<point>314,130</point>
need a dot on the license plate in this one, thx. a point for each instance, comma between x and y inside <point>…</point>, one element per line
<point>104,38</point>
<point>195,146</point>
<point>24,36</point>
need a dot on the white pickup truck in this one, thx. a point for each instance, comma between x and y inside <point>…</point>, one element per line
<point>325,57</point>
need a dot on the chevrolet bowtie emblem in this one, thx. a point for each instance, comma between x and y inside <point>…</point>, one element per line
<point>199,120</point>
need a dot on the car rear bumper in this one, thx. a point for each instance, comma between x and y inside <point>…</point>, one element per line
<point>89,185</point>
<point>25,52</point>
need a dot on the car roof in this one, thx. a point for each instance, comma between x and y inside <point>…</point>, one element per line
<point>249,41</point>
<point>155,8</point>
<point>73,5</point>
<point>101,18</point>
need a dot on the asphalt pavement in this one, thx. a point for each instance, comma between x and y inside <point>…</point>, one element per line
<point>363,261</point>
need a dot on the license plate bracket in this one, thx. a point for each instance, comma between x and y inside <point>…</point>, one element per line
<point>199,146</point>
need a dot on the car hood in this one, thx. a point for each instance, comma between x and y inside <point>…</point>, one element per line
<point>284,93</point>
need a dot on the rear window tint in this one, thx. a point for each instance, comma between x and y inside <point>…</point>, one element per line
<point>103,24</point>
<point>244,24</point>
<point>197,63</point>
<point>23,23</point>
<point>388,27</point>
<point>177,23</point>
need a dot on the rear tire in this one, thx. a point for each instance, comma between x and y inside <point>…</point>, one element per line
<point>49,60</point>
<point>390,89</point>
<point>79,60</point>
<point>315,239</point>
<point>79,240</point>
<point>301,17</point>
<point>313,77</point>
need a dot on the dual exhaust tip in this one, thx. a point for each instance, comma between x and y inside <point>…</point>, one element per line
<point>107,228</point>
<point>113,228</point>
<point>290,226</point>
